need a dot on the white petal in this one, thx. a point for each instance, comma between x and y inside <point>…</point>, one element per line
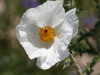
<point>67,30</point>
<point>56,7</point>
<point>45,62</point>
<point>70,25</point>
<point>51,5</point>
<point>55,54</point>
<point>72,19</point>
<point>32,43</point>
<point>50,13</point>
<point>41,61</point>
<point>33,16</point>
<point>29,17</point>
<point>53,12</point>
<point>61,49</point>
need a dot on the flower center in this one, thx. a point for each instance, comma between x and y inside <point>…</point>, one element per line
<point>47,33</point>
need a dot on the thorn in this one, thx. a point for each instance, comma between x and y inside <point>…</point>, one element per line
<point>57,64</point>
<point>64,67</point>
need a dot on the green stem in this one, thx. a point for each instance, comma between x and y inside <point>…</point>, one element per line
<point>76,65</point>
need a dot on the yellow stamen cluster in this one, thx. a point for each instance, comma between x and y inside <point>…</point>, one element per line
<point>47,33</point>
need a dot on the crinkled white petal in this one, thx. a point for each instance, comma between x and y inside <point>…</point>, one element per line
<point>55,54</point>
<point>61,48</point>
<point>45,62</point>
<point>32,43</point>
<point>73,21</point>
<point>50,13</point>
<point>65,32</point>
<point>69,27</point>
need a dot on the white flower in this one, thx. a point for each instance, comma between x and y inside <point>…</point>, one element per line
<point>45,32</point>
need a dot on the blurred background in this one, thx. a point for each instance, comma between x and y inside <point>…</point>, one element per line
<point>13,59</point>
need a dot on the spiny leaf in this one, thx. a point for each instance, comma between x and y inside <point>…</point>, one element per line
<point>89,66</point>
<point>77,47</point>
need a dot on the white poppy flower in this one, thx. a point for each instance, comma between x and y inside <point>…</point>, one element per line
<point>45,32</point>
